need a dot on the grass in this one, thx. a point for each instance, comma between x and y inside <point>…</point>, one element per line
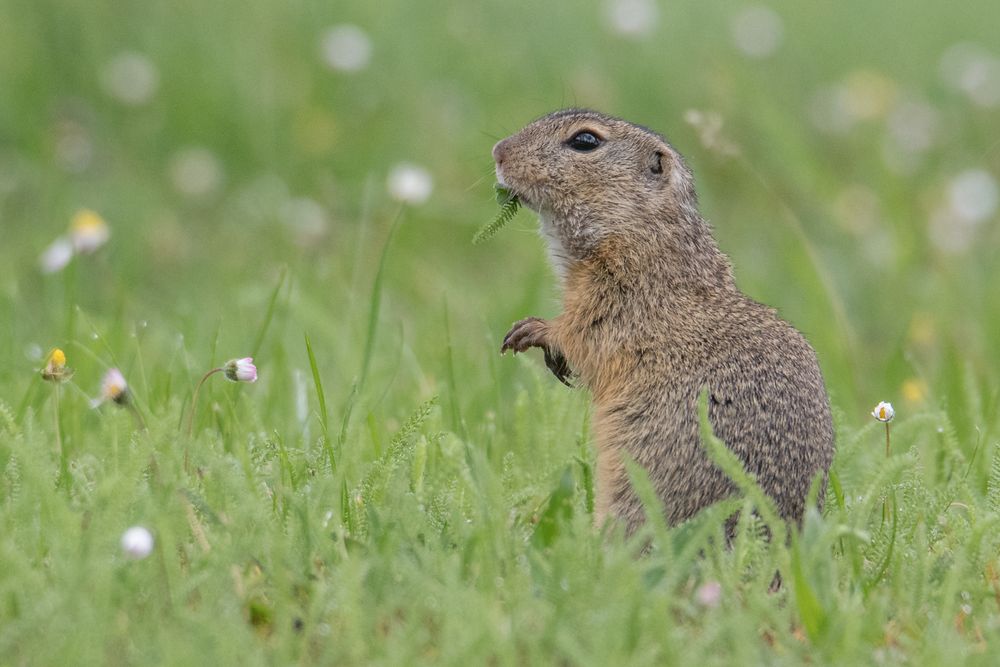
<point>392,491</point>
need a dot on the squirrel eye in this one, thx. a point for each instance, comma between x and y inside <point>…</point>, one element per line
<point>583,141</point>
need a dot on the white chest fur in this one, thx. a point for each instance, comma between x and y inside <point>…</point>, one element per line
<point>557,252</point>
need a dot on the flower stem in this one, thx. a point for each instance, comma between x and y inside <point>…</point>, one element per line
<point>138,416</point>
<point>885,504</point>
<point>194,398</point>
<point>63,463</point>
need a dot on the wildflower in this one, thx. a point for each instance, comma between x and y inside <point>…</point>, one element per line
<point>410,183</point>
<point>632,18</point>
<point>883,412</point>
<point>757,32</point>
<point>137,543</point>
<point>196,172</point>
<point>131,78</point>
<point>306,218</point>
<point>863,96</point>
<point>56,256</point>
<point>913,125</point>
<point>708,125</point>
<point>56,369</point>
<point>240,370</point>
<point>236,370</point>
<point>914,390</point>
<point>88,231</point>
<point>709,594</point>
<point>973,196</point>
<point>113,388</point>
<point>870,94</point>
<point>973,70</point>
<point>72,145</point>
<point>346,48</point>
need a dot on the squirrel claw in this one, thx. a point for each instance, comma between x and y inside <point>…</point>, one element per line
<point>532,332</point>
<point>557,363</point>
<point>528,333</point>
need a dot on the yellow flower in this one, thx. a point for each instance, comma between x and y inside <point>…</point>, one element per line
<point>56,369</point>
<point>88,231</point>
<point>914,390</point>
<point>922,330</point>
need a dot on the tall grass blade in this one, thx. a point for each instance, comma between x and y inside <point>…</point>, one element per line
<point>376,303</point>
<point>457,425</point>
<point>269,314</point>
<point>321,399</point>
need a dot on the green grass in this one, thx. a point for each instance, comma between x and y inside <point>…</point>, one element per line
<point>392,491</point>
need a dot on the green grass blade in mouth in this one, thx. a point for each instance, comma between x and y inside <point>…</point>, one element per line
<point>509,204</point>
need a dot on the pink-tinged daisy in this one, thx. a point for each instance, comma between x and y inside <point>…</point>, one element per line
<point>709,594</point>
<point>240,370</point>
<point>113,388</point>
<point>236,370</point>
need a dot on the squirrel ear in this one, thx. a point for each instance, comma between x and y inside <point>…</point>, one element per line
<point>656,163</point>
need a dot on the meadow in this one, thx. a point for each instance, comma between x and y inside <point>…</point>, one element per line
<point>299,182</point>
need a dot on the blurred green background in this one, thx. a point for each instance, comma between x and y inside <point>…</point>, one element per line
<point>831,145</point>
<point>251,158</point>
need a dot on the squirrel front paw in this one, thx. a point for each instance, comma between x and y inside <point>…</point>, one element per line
<point>529,332</point>
<point>557,363</point>
<point>534,332</point>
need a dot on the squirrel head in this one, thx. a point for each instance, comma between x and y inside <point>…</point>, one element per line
<point>592,177</point>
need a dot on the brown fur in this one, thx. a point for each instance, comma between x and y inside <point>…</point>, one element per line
<point>651,315</point>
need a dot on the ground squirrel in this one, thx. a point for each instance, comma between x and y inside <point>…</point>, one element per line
<point>652,315</point>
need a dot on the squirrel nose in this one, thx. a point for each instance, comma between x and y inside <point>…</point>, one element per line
<point>500,151</point>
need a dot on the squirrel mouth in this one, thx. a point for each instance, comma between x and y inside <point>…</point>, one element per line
<point>515,193</point>
<point>515,190</point>
<point>500,179</point>
<point>525,201</point>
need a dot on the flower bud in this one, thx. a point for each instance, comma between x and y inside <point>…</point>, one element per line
<point>240,370</point>
<point>56,369</point>
<point>137,543</point>
<point>883,412</point>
